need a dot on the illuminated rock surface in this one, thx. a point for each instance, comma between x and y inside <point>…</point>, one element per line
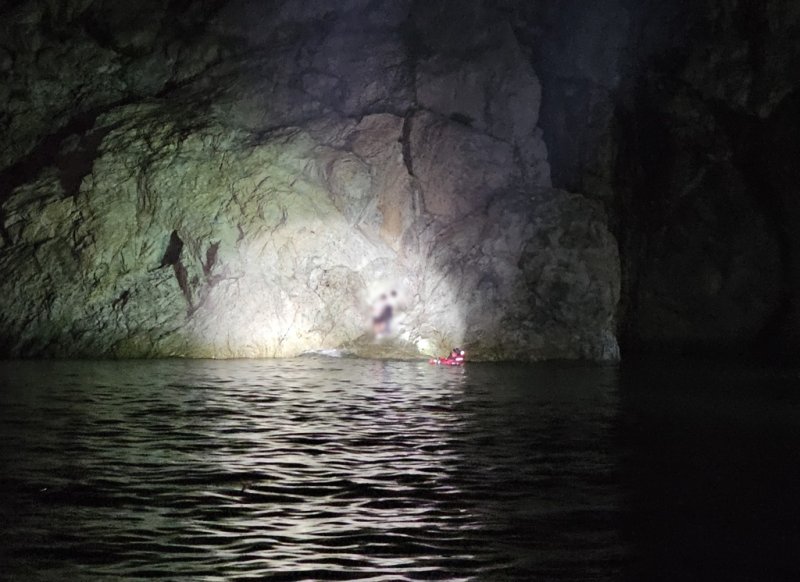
<point>245,179</point>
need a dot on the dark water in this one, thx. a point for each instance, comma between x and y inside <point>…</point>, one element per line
<point>335,469</point>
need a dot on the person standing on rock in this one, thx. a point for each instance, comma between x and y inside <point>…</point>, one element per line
<point>382,315</point>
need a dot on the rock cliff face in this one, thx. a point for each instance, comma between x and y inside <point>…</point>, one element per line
<point>710,244</point>
<point>242,178</point>
<point>677,115</point>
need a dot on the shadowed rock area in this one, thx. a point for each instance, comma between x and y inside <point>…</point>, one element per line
<point>242,179</point>
<point>677,115</point>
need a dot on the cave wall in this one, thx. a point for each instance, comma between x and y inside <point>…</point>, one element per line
<point>711,255</point>
<point>676,115</point>
<point>231,177</point>
<point>240,178</point>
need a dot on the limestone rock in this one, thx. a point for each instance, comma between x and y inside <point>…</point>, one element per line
<point>536,277</point>
<point>669,113</point>
<point>497,94</point>
<point>456,185</point>
<point>251,195</point>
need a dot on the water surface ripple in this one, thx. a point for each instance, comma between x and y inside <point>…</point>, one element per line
<point>308,469</point>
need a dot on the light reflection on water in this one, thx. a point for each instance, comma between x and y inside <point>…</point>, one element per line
<point>308,469</point>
